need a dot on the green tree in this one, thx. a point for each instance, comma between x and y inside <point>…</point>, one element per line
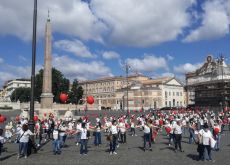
<point>76,93</point>
<point>21,94</point>
<point>59,84</point>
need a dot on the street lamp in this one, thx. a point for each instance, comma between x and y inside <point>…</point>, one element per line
<point>221,64</point>
<point>127,68</point>
<point>31,121</point>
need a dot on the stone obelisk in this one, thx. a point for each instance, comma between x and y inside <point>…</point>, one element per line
<point>47,96</point>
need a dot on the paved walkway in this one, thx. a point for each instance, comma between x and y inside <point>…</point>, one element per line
<point>130,153</point>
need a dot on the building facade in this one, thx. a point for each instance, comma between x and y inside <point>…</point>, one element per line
<point>143,92</point>
<point>11,85</point>
<point>172,91</point>
<point>210,84</point>
<point>104,89</point>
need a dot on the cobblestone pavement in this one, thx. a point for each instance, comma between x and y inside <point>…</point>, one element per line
<point>130,153</point>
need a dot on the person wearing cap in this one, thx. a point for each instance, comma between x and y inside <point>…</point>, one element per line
<point>204,136</point>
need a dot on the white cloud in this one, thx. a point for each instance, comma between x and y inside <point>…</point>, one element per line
<point>185,68</point>
<point>123,22</point>
<point>215,21</point>
<point>167,74</point>
<point>76,47</point>
<point>72,17</point>
<point>169,57</point>
<point>108,55</point>
<point>80,70</point>
<point>9,72</point>
<point>149,63</point>
<point>143,23</point>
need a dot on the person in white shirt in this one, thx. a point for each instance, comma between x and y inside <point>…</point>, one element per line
<point>178,135</point>
<point>97,133</point>
<point>114,136</point>
<point>147,136</point>
<point>204,136</point>
<point>84,140</point>
<point>122,129</point>
<point>132,125</point>
<point>25,134</point>
<point>62,128</point>
<point>56,141</point>
<point>78,134</point>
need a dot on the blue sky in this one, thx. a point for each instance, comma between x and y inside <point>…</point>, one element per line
<point>93,38</point>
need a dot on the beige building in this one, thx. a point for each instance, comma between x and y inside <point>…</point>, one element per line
<point>11,85</point>
<point>104,89</point>
<point>143,92</point>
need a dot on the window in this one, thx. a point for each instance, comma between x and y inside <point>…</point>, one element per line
<point>166,103</point>
<point>169,93</point>
<point>173,93</point>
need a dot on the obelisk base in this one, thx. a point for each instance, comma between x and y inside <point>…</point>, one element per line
<point>47,101</point>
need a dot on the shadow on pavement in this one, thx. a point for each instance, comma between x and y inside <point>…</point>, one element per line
<point>141,148</point>
<point>193,156</point>
<point>168,148</point>
<point>7,157</point>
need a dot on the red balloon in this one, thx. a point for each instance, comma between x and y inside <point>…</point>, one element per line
<point>216,130</point>
<point>168,130</point>
<point>2,118</point>
<point>35,118</point>
<point>63,97</point>
<point>90,99</point>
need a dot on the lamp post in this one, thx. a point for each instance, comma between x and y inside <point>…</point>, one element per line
<point>222,78</point>
<point>127,68</point>
<point>220,61</point>
<point>31,121</point>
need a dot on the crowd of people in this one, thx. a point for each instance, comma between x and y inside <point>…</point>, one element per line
<point>204,128</point>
